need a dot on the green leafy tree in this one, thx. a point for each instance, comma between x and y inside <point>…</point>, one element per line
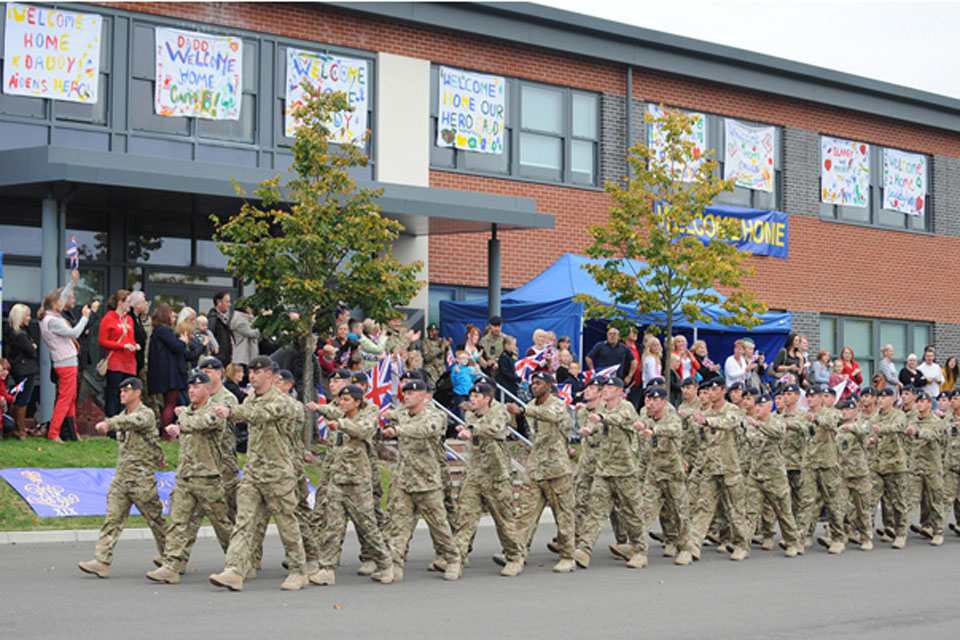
<point>649,222</point>
<point>317,243</point>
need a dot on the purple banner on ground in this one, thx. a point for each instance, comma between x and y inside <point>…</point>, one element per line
<point>55,493</point>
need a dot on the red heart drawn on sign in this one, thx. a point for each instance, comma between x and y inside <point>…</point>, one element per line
<point>827,164</point>
<point>863,149</point>
<point>234,45</point>
<point>919,203</point>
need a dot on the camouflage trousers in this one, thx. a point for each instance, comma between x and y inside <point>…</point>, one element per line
<point>535,495</point>
<point>894,492</point>
<point>231,483</point>
<point>774,494</point>
<point>720,490</point>
<point>665,499</point>
<point>604,492</point>
<point>404,507</point>
<point>124,493</point>
<point>191,500</point>
<point>368,553</point>
<point>855,496</point>
<point>877,498</point>
<point>951,493</point>
<point>306,517</point>
<point>582,481</point>
<point>802,498</point>
<point>355,502</point>
<point>825,486</point>
<point>497,495</point>
<point>926,491</point>
<point>256,500</point>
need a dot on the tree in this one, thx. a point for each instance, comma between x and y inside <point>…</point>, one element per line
<point>319,243</point>
<point>672,182</point>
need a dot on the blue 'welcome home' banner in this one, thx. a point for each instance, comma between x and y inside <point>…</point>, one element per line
<point>762,232</point>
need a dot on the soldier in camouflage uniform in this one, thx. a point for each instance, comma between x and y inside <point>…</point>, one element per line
<point>488,479</point>
<point>548,479</point>
<point>221,396</point>
<point>868,411</point>
<point>615,477</point>
<point>269,480</point>
<point>399,340</point>
<point>416,485</point>
<point>134,482</point>
<point>767,483</point>
<point>492,344</point>
<point>891,461</point>
<point>349,493</point>
<point>199,488</point>
<point>722,480</point>
<point>665,486</point>
<point>587,464</point>
<point>951,459</point>
<point>929,436</point>
<point>853,437</point>
<point>434,349</point>
<point>795,451</point>
<point>825,479</point>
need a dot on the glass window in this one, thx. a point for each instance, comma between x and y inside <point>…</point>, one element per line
<point>585,118</point>
<point>488,162</point>
<point>541,109</point>
<point>544,152</point>
<point>94,113</point>
<point>828,335</point>
<point>436,293</point>
<point>17,240</point>
<point>858,335</point>
<point>582,158</point>
<point>151,239</point>
<point>91,286</point>
<point>142,114</point>
<point>895,334</point>
<point>242,129</point>
<point>21,105</point>
<point>868,336</point>
<point>21,283</point>
<point>921,338</point>
<point>166,277</point>
<point>208,255</point>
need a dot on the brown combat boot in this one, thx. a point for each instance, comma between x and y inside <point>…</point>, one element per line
<point>438,565</point>
<point>324,578</point>
<point>228,578</point>
<point>95,567</point>
<point>638,561</point>
<point>683,558</point>
<point>452,571</point>
<point>383,576</point>
<point>367,567</point>
<point>582,558</point>
<point>622,551</point>
<point>566,565</point>
<point>899,542</point>
<point>669,550</point>
<point>500,559</point>
<point>739,554</point>
<point>512,569</point>
<point>164,574</point>
<point>294,582</point>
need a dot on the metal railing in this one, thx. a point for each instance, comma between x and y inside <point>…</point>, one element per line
<point>460,421</point>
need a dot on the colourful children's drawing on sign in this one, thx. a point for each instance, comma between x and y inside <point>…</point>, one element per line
<point>471,111</point>
<point>198,75</point>
<point>329,73</point>
<point>748,155</point>
<point>49,53</point>
<point>657,141</point>
<point>904,181</point>
<point>844,172</point>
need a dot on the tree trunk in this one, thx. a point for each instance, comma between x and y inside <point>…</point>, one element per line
<point>309,389</point>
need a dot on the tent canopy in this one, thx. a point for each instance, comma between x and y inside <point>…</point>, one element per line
<point>546,302</point>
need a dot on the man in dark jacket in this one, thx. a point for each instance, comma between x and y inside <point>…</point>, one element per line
<point>219,322</point>
<point>139,308</point>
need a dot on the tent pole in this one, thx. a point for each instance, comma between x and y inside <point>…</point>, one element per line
<point>493,273</point>
<point>694,334</point>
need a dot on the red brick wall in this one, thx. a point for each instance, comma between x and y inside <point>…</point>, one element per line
<point>828,270</point>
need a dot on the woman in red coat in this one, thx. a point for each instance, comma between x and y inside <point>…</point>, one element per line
<point>120,347</point>
<point>852,369</point>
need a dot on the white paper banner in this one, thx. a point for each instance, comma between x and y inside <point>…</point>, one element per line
<point>698,137</point>
<point>471,111</point>
<point>198,75</point>
<point>329,73</point>
<point>748,156</point>
<point>904,181</point>
<point>844,172</point>
<point>49,53</point>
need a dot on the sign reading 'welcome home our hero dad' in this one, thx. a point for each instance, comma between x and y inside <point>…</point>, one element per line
<point>763,233</point>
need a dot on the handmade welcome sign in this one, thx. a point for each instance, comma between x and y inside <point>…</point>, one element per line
<point>198,75</point>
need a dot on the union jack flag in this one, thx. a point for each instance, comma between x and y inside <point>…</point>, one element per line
<point>73,253</point>
<point>17,389</point>
<point>345,358</point>
<point>565,391</point>
<point>526,366</point>
<point>450,359</point>
<point>379,381</point>
<point>321,421</point>
<point>587,375</point>
<point>384,406</point>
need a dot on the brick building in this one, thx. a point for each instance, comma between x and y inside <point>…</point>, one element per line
<point>136,187</point>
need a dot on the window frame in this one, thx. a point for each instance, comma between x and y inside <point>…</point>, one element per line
<point>874,210</point>
<point>873,358</point>
<point>514,130</point>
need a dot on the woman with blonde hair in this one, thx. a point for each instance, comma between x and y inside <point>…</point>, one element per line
<point>24,359</point>
<point>652,361</point>
<point>373,343</point>
<point>61,341</point>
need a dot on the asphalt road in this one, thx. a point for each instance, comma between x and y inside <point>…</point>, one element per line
<point>879,594</point>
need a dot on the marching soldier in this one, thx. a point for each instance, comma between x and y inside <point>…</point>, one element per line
<point>891,461</point>
<point>797,459</point>
<point>269,480</point>
<point>134,482</point>
<point>951,461</point>
<point>199,488</point>
<point>928,432</point>
<point>825,477</point>
<point>853,437</point>
<point>549,478</point>
<point>488,478</point>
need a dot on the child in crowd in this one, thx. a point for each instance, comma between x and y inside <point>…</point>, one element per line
<point>6,399</point>
<point>462,376</point>
<point>212,348</point>
<point>837,376</point>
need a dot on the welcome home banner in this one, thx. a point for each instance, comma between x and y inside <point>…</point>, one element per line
<point>904,181</point>
<point>328,73</point>
<point>748,155</point>
<point>698,136</point>
<point>471,111</point>
<point>761,232</point>
<point>49,53</point>
<point>198,75</point>
<point>844,172</point>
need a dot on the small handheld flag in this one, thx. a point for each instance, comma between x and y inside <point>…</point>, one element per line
<point>17,389</point>
<point>74,254</point>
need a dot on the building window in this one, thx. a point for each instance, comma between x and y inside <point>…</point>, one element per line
<point>438,292</point>
<point>874,214</point>
<point>556,140</point>
<point>866,336</point>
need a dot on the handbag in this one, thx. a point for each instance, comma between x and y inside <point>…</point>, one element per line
<point>105,362</point>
